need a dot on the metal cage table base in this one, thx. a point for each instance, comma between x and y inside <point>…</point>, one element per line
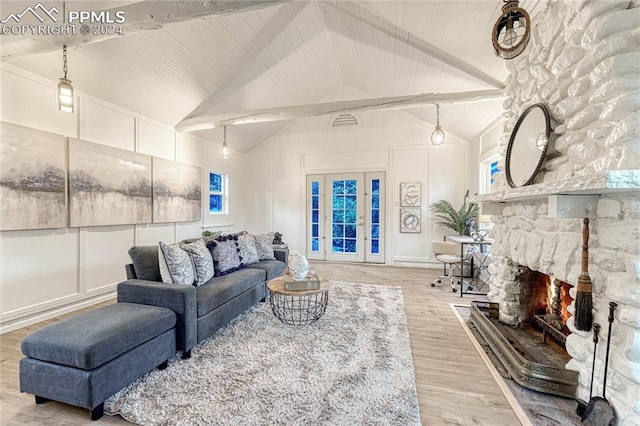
<point>300,309</point>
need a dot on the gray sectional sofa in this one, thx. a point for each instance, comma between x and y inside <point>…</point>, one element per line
<point>200,310</point>
<point>84,359</point>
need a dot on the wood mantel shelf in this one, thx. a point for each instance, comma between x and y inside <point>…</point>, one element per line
<point>609,181</point>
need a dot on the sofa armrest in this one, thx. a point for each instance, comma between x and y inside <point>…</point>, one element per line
<point>181,299</point>
<point>282,254</point>
<point>130,271</point>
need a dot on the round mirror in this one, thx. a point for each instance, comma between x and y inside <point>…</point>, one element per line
<point>528,146</point>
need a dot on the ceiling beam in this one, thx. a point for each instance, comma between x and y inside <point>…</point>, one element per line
<point>211,121</point>
<point>139,17</point>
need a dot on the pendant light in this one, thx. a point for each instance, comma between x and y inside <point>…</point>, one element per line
<point>437,137</point>
<point>65,89</point>
<point>225,145</point>
<point>511,31</point>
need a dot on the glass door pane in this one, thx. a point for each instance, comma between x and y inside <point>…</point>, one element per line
<point>375,217</point>
<point>347,217</point>
<point>315,215</point>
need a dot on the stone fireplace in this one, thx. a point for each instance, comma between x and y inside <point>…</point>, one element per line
<point>582,63</point>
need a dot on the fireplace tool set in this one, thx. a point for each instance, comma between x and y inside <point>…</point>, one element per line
<point>599,411</point>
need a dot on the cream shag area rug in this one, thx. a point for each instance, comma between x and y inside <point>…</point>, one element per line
<point>352,367</point>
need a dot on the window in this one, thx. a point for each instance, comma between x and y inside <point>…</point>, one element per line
<point>488,168</point>
<point>493,168</point>
<point>217,193</point>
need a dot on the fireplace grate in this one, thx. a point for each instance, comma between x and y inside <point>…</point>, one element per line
<point>545,322</point>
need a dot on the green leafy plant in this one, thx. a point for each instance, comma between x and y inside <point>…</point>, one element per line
<point>206,233</point>
<point>461,220</point>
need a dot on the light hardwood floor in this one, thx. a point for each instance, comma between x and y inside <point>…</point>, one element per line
<point>454,386</point>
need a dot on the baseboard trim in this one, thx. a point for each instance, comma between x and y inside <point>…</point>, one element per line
<point>53,312</point>
<point>415,262</point>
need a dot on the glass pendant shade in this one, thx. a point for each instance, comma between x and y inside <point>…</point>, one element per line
<point>65,95</point>
<point>225,145</point>
<point>225,150</point>
<point>437,137</point>
<point>65,89</point>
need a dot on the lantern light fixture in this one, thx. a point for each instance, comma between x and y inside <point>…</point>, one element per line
<point>511,31</point>
<point>437,137</point>
<point>65,89</point>
<point>225,145</point>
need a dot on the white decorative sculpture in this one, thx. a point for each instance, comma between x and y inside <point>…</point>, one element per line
<point>298,267</point>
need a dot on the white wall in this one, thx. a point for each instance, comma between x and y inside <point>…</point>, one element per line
<point>390,141</point>
<point>47,272</point>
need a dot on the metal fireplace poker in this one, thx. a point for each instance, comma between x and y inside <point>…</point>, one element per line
<point>600,412</point>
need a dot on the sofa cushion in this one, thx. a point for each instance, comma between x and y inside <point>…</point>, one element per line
<point>145,262</point>
<point>201,259</point>
<point>224,252</point>
<point>264,244</point>
<point>94,338</point>
<point>176,266</point>
<point>219,290</point>
<point>248,249</point>
<point>273,268</point>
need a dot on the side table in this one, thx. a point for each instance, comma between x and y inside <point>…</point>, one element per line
<point>297,307</point>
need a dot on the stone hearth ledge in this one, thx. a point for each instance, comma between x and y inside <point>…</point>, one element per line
<point>605,182</point>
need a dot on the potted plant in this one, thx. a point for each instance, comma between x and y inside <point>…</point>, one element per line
<point>461,220</point>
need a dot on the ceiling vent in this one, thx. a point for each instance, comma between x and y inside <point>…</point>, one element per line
<point>344,120</point>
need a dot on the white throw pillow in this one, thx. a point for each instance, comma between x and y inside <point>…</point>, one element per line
<point>264,244</point>
<point>248,249</point>
<point>175,265</point>
<point>202,260</point>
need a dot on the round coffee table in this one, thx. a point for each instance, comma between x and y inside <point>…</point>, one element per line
<point>297,307</point>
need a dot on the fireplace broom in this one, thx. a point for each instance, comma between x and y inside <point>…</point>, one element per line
<point>584,302</point>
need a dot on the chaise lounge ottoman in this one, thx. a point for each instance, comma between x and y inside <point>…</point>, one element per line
<point>85,359</point>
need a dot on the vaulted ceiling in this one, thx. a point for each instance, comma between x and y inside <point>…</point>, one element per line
<point>291,53</point>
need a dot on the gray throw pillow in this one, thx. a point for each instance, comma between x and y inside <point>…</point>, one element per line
<point>224,252</point>
<point>264,244</point>
<point>248,249</point>
<point>175,265</point>
<point>145,262</point>
<point>202,260</point>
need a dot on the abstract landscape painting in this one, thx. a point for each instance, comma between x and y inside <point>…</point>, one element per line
<point>108,186</point>
<point>32,179</point>
<point>177,191</point>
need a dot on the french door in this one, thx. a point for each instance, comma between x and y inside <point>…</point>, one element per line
<point>345,217</point>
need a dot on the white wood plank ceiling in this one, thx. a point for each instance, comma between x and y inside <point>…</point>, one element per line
<point>293,53</point>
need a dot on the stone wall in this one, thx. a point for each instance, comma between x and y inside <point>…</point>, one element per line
<point>583,62</point>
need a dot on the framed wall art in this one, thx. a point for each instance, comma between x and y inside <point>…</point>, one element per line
<point>177,191</point>
<point>32,179</point>
<point>410,194</point>
<point>108,186</point>
<point>410,220</point>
